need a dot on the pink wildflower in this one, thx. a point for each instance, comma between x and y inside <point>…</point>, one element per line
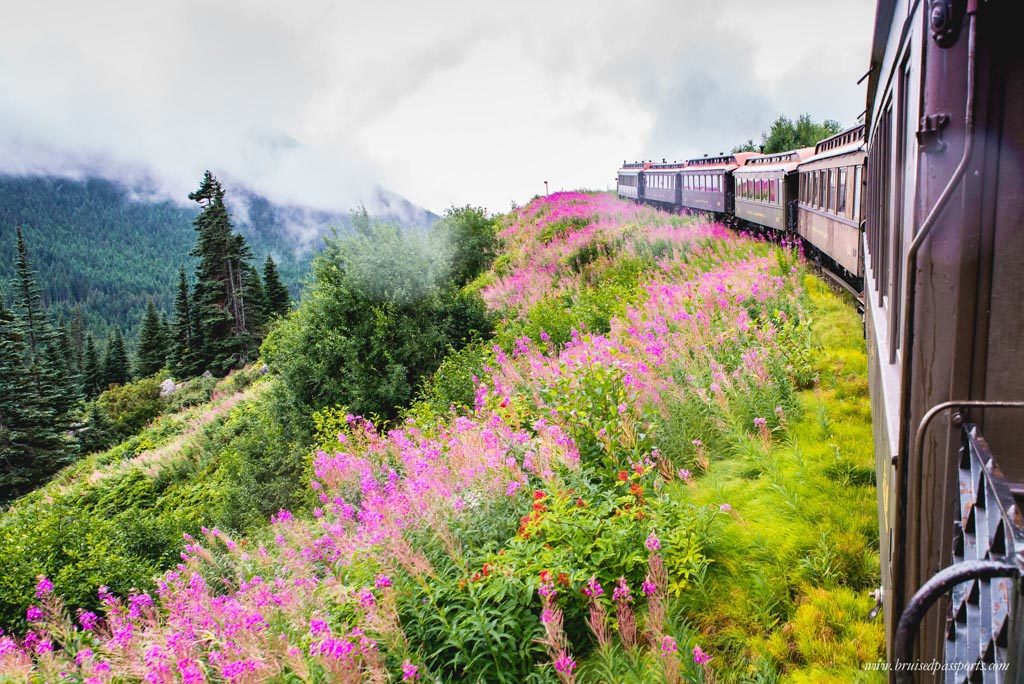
<point>699,656</point>
<point>34,614</point>
<point>382,582</point>
<point>652,543</point>
<point>668,645</point>
<point>564,664</point>
<point>43,587</point>
<point>725,508</point>
<point>410,672</point>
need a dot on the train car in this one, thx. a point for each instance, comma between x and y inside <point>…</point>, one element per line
<point>829,208</point>
<point>631,180</point>
<point>663,183</point>
<point>943,249</point>
<point>707,183</point>
<point>766,189</point>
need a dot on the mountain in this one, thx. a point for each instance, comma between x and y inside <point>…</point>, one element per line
<point>105,248</point>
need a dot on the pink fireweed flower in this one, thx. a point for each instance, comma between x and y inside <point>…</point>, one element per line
<point>668,645</point>
<point>652,543</point>
<point>366,598</point>
<point>548,615</point>
<point>88,620</point>
<point>760,423</point>
<point>82,656</point>
<point>318,627</point>
<point>593,588</point>
<point>382,582</point>
<point>43,587</point>
<point>699,656</point>
<point>34,614</point>
<point>648,587</point>
<point>725,508</point>
<point>564,664</point>
<point>410,672</point>
<point>622,591</point>
<point>546,590</point>
<point>685,475</point>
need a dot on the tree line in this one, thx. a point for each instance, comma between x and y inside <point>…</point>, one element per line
<point>51,374</point>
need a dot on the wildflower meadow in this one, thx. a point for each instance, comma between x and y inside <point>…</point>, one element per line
<point>658,469</point>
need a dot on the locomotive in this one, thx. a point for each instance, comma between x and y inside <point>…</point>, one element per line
<point>921,210</point>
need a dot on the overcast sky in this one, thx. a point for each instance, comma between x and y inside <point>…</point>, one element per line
<point>442,102</point>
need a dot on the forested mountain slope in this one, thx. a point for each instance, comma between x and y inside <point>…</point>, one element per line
<point>106,248</point>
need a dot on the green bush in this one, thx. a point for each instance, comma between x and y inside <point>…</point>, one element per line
<point>130,407</point>
<point>377,320</point>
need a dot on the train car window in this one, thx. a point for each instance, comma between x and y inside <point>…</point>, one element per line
<point>831,206</point>
<point>774,191</point>
<point>856,193</point>
<point>841,193</point>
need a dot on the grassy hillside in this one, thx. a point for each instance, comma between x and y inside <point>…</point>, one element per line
<point>659,471</point>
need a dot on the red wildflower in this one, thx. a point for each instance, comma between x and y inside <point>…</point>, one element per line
<point>623,476</point>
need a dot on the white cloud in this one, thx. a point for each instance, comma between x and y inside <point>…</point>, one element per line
<point>452,102</point>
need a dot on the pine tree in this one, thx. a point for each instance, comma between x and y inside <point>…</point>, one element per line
<point>116,369</point>
<point>151,353</point>
<point>275,293</point>
<point>255,301</point>
<point>92,371</point>
<point>218,301</point>
<point>34,417</point>
<point>183,332</point>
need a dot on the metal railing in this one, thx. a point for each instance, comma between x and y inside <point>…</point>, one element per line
<point>982,642</point>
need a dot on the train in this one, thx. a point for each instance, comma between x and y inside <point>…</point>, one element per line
<point>920,211</point>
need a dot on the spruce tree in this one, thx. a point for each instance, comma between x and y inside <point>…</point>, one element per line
<point>116,370</point>
<point>151,353</point>
<point>255,301</point>
<point>32,444</point>
<point>183,332</point>
<point>275,293</point>
<point>92,371</point>
<point>218,301</point>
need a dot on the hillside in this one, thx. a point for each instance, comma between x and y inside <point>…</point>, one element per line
<point>108,248</point>
<point>659,469</point>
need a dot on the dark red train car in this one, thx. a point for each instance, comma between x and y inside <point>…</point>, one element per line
<point>944,250</point>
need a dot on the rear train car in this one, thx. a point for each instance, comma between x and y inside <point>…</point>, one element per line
<point>944,246</point>
<point>766,190</point>
<point>829,209</point>
<point>707,183</point>
<point>631,180</point>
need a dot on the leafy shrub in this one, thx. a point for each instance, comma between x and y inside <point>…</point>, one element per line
<point>129,407</point>
<point>377,320</point>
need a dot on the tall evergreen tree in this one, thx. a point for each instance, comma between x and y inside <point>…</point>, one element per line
<point>33,416</point>
<point>151,352</point>
<point>92,370</point>
<point>116,368</point>
<point>218,301</point>
<point>183,330</point>
<point>275,293</point>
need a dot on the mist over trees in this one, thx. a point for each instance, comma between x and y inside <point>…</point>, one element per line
<point>786,134</point>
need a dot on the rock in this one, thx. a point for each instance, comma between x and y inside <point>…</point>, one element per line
<point>168,387</point>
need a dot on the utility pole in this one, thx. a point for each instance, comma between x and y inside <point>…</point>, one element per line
<point>546,188</point>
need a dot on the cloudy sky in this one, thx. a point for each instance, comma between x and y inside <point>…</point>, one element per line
<point>444,102</point>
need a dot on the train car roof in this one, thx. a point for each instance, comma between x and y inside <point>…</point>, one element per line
<point>722,162</point>
<point>781,161</point>
<point>841,144</point>
<point>667,166</point>
<point>633,167</point>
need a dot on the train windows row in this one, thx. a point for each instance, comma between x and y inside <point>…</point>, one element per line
<point>703,182</point>
<point>661,180</point>
<point>629,181</point>
<point>759,190</point>
<point>826,190</point>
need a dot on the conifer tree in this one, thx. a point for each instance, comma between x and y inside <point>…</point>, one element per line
<point>218,301</point>
<point>116,370</point>
<point>92,371</point>
<point>275,293</point>
<point>255,300</point>
<point>183,332</point>
<point>151,353</point>
<point>33,416</point>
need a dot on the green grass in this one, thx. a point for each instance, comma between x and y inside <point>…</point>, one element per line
<point>786,594</point>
